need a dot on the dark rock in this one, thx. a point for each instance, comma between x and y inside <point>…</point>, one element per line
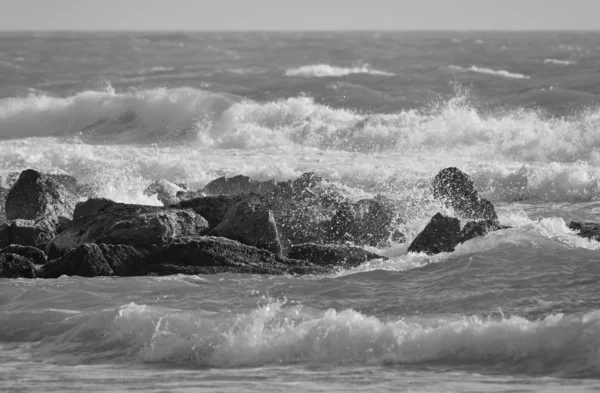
<point>35,233</point>
<point>300,222</point>
<point>35,195</point>
<point>473,229</point>
<point>456,190</point>
<point>35,255</point>
<point>3,194</point>
<point>135,225</point>
<point>86,260</point>
<point>231,186</point>
<point>442,234</point>
<point>123,259</point>
<point>587,230</point>
<point>212,208</point>
<point>331,254</point>
<point>91,207</point>
<point>165,191</point>
<point>16,266</point>
<point>218,255</point>
<point>250,222</point>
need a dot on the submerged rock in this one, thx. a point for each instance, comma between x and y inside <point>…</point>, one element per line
<point>442,234</point>
<point>456,190</point>
<point>332,254</point>
<point>136,225</point>
<point>86,260</point>
<point>16,266</point>
<point>250,222</point>
<point>36,195</point>
<point>587,230</point>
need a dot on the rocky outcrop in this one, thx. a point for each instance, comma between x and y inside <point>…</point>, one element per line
<point>124,260</point>
<point>455,189</point>
<point>86,260</point>
<point>231,186</point>
<point>250,222</point>
<point>35,255</point>
<point>135,225</point>
<point>35,233</point>
<point>212,208</point>
<point>332,254</point>
<point>587,230</point>
<point>36,195</point>
<point>16,266</point>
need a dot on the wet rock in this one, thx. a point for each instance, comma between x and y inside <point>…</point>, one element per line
<point>209,254</point>
<point>251,222</point>
<point>473,229</point>
<point>135,225</point>
<point>86,260</point>
<point>35,255</point>
<point>124,260</point>
<point>36,195</point>
<point>165,191</point>
<point>456,190</point>
<point>212,208</point>
<point>16,266</point>
<point>442,234</point>
<point>35,233</point>
<point>587,230</point>
<point>332,255</point>
<point>91,207</point>
<point>300,222</point>
<point>231,186</point>
<point>3,194</point>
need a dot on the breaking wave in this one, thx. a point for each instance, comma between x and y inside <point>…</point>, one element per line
<point>489,71</point>
<point>559,62</point>
<point>326,70</point>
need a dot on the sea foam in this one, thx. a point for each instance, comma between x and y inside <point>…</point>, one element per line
<point>326,70</point>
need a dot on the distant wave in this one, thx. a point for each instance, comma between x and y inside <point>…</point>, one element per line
<point>559,62</point>
<point>326,70</point>
<point>489,71</point>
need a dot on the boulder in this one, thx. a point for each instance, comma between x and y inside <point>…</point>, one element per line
<point>92,206</point>
<point>455,189</point>
<point>36,195</point>
<point>231,186</point>
<point>35,233</point>
<point>35,255</point>
<point>473,229</point>
<point>209,255</point>
<point>332,254</point>
<point>441,234</point>
<point>86,260</point>
<point>124,260</point>
<point>212,208</point>
<point>165,191</point>
<point>587,230</point>
<point>16,266</point>
<point>300,222</point>
<point>3,194</point>
<point>135,225</point>
<point>251,222</point>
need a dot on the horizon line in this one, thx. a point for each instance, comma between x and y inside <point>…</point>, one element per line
<point>366,30</point>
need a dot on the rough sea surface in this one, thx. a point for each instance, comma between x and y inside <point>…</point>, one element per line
<point>516,310</point>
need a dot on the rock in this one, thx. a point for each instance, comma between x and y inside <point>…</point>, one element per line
<point>35,233</point>
<point>16,266</point>
<point>135,225</point>
<point>165,191</point>
<point>35,255</point>
<point>250,222</point>
<point>332,255</point>
<point>368,222</point>
<point>91,207</point>
<point>36,195</point>
<point>209,254</point>
<point>456,190</point>
<point>300,222</point>
<point>231,186</point>
<point>3,194</point>
<point>123,259</point>
<point>212,208</point>
<point>442,234</point>
<point>473,229</point>
<point>587,230</point>
<point>86,260</point>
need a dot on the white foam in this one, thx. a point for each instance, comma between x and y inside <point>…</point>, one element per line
<point>326,70</point>
<point>559,62</point>
<point>489,71</point>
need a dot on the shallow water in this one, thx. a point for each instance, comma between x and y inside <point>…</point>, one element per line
<point>516,310</point>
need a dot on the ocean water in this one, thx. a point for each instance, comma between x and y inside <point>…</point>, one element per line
<point>376,112</point>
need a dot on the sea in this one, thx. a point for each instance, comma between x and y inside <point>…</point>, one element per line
<point>517,310</point>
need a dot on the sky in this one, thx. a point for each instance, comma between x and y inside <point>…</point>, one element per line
<point>299,14</point>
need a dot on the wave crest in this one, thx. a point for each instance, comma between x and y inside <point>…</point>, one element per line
<point>326,70</point>
<point>489,71</point>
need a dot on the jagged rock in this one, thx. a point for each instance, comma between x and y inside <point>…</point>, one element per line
<point>86,260</point>
<point>231,186</point>
<point>250,222</point>
<point>35,233</point>
<point>331,254</point>
<point>368,222</point>
<point>587,230</point>
<point>165,191</point>
<point>35,255</point>
<point>16,266</point>
<point>36,195</point>
<point>473,229</point>
<point>213,208</point>
<point>135,225</point>
<point>209,254</point>
<point>91,207</point>
<point>300,222</point>
<point>123,259</point>
<point>3,194</point>
<point>68,182</point>
<point>456,190</point>
<point>442,234</point>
